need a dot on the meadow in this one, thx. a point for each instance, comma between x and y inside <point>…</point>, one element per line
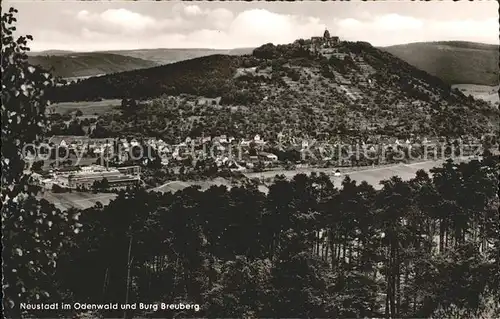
<point>80,200</point>
<point>483,92</point>
<point>372,176</point>
<point>92,108</point>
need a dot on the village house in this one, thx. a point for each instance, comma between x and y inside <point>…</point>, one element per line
<point>206,139</point>
<point>268,156</point>
<point>305,144</point>
<point>208,101</point>
<point>223,139</point>
<point>134,142</point>
<point>235,167</point>
<point>253,158</point>
<point>258,140</point>
<point>216,140</point>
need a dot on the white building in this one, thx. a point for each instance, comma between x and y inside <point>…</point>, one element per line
<point>271,157</point>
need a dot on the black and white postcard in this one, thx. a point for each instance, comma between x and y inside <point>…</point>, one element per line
<point>250,159</point>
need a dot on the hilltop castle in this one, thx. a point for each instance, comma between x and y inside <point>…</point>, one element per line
<point>326,41</point>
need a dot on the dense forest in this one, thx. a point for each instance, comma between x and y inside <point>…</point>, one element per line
<point>422,248</point>
<point>428,247</point>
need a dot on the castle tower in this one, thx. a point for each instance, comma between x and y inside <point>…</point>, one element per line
<point>326,35</point>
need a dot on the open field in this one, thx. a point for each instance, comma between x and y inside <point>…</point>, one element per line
<point>174,186</point>
<point>87,108</point>
<point>83,200</point>
<point>372,176</point>
<point>484,92</point>
<point>80,200</point>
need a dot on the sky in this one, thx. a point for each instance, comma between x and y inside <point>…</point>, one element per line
<point>126,25</point>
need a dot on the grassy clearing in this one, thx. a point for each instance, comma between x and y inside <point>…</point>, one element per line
<point>87,108</point>
<point>372,176</point>
<point>484,92</point>
<point>79,200</point>
<point>174,186</point>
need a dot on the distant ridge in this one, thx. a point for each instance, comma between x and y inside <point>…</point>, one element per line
<point>50,52</point>
<point>70,64</point>
<point>455,62</point>
<point>73,64</point>
<point>166,56</point>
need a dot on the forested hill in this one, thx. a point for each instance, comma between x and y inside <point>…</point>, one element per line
<point>67,64</point>
<point>455,62</point>
<point>347,87</point>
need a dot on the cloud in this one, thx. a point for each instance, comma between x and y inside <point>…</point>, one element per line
<point>350,23</point>
<point>393,29</point>
<point>220,18</point>
<point>193,26</point>
<point>185,18</point>
<point>484,30</point>
<point>258,26</point>
<point>125,21</point>
<point>192,10</point>
<point>390,21</point>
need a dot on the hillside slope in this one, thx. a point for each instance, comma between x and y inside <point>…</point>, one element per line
<point>68,65</point>
<point>454,62</point>
<point>350,89</point>
<point>50,52</point>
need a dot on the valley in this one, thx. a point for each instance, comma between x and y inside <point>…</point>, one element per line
<point>315,91</point>
<point>321,177</point>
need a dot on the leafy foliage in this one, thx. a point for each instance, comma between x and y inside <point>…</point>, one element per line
<point>33,231</point>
